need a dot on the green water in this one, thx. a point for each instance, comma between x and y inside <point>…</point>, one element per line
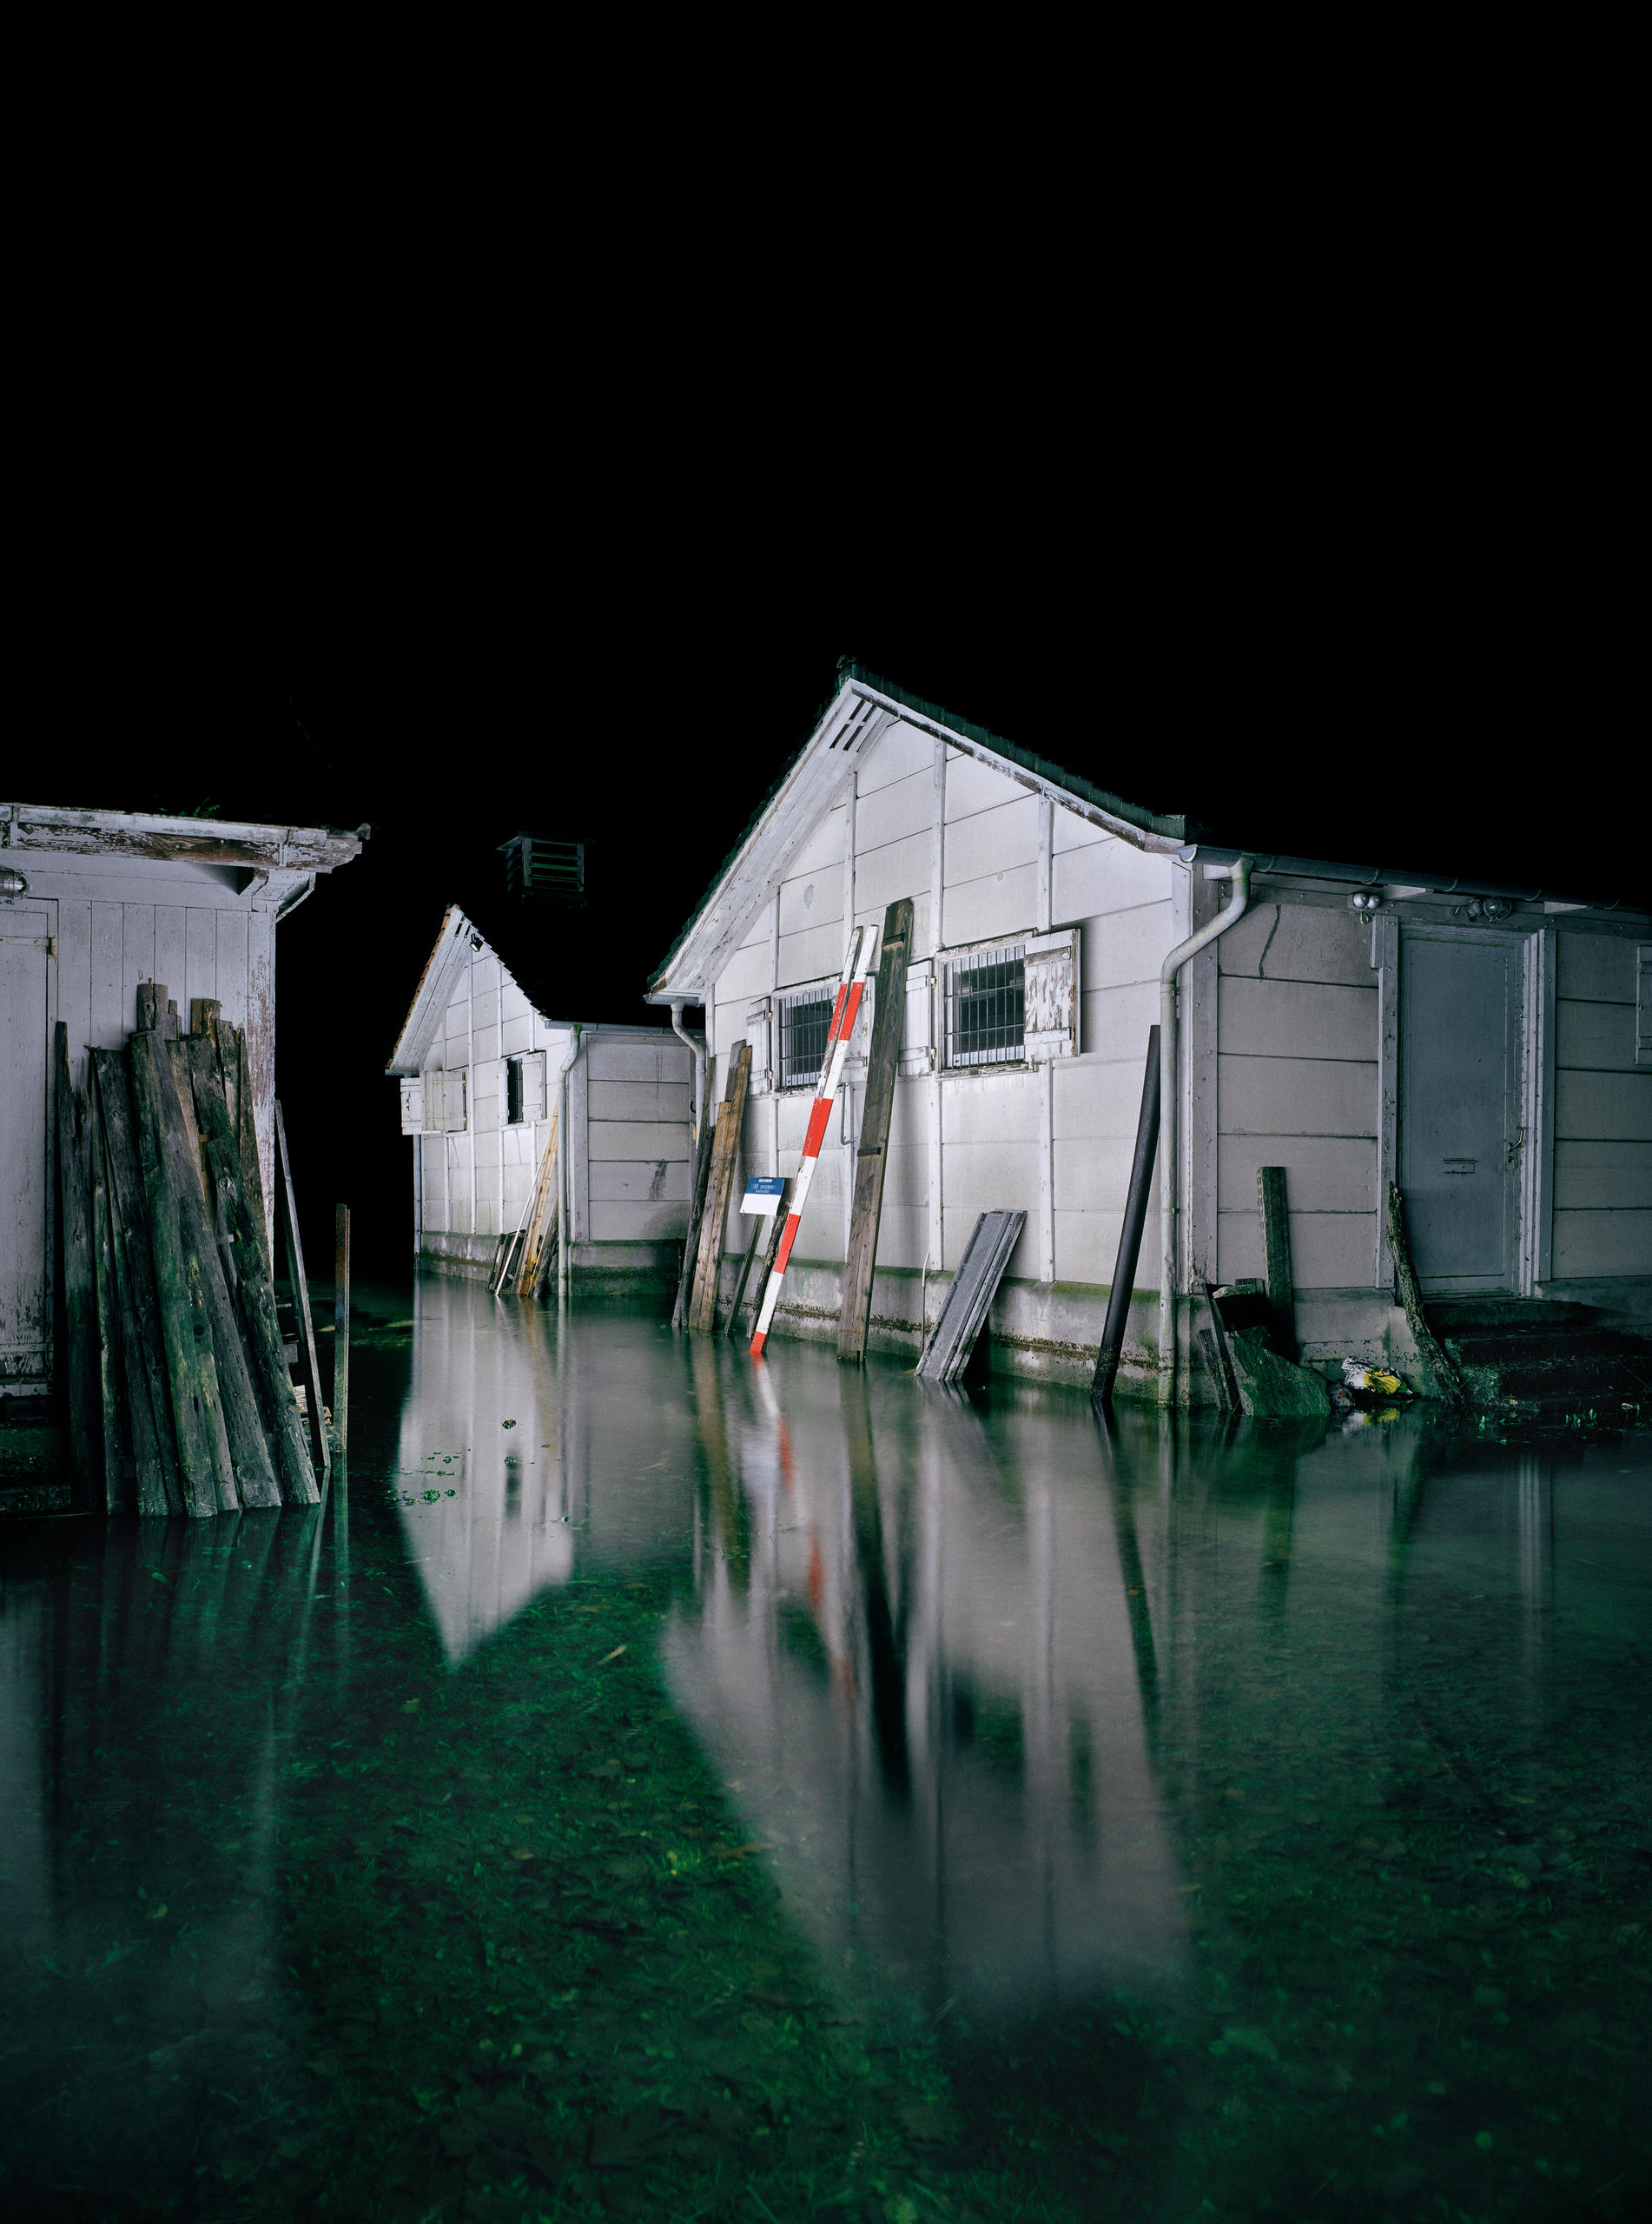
<point>659,1787</point>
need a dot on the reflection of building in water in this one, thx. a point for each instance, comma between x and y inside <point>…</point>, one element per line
<point>912,1655</point>
<point>501,1415</point>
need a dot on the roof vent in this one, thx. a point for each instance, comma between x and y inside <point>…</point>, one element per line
<point>538,871</point>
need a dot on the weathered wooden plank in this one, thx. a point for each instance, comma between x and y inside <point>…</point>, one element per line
<point>541,1214</point>
<point>730,1126</point>
<point>342,1335</point>
<point>1272,1388</point>
<point>79,1285</point>
<point>696,1206</point>
<point>1447,1383</point>
<point>246,1137</point>
<point>757,1227</point>
<point>256,1480</point>
<point>1138,1197</point>
<point>248,1276</point>
<point>192,1373</point>
<point>204,1014</point>
<point>969,1296</point>
<point>1276,1257</point>
<point>118,1496</point>
<point>871,1160</point>
<point>308,1366</point>
<point>770,1253</point>
<point>160,1489</point>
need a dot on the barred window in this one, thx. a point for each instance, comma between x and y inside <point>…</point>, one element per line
<point>985,1008</point>
<point>805,1021</point>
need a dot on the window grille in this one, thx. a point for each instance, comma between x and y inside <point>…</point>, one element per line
<point>985,1008</point>
<point>805,1021</point>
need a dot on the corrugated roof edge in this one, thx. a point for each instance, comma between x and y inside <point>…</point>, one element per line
<point>1174,829</point>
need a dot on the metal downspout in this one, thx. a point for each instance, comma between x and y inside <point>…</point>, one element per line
<point>564,1153</point>
<point>1167,1139</point>
<point>696,1043</point>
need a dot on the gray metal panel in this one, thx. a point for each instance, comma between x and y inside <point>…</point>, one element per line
<point>974,1286</point>
<point>1460,1141</point>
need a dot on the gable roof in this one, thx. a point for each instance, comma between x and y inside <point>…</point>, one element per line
<point>854,721</point>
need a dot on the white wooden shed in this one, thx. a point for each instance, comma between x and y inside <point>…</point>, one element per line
<point>92,902</point>
<point>1489,1048</point>
<point>481,1068</point>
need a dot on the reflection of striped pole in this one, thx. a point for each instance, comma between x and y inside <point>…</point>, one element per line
<point>845,1011</point>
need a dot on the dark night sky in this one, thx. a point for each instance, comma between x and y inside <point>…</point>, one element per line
<point>635,666</point>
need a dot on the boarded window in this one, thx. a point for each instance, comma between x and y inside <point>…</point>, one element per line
<point>805,1021</point>
<point>987,1008</point>
<point>413,1107</point>
<point>524,1089</point>
<point>1051,993</point>
<point>444,1113</point>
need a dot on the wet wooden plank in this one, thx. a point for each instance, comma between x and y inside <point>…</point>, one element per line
<point>871,1160</point>
<point>1276,1257</point>
<point>80,1289</point>
<point>730,1124</point>
<point>308,1364</point>
<point>160,1489</point>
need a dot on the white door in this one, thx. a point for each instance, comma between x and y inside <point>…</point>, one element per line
<point>1460,1137</point>
<point>25,1159</point>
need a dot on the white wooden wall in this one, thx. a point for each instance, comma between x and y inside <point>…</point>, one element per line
<point>1603,1114</point>
<point>630,1094</point>
<point>1055,1140</point>
<point>1297,1087</point>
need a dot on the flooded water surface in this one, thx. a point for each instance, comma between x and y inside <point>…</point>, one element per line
<point>658,1786</point>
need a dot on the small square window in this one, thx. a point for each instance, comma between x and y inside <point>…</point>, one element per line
<point>513,1092</point>
<point>985,1008</point>
<point>805,1021</point>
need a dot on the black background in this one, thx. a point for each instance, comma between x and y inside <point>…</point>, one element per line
<point>1383,667</point>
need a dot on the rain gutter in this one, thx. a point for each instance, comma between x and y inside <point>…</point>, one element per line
<point>696,1043</point>
<point>1240,872</point>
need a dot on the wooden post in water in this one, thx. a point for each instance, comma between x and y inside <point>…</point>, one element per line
<point>79,1290</point>
<point>159,1490</point>
<point>888,1021</point>
<point>1276,1257</point>
<point>703,1305</point>
<point>341,1331</point>
<point>1135,1217</point>
<point>309,1367</point>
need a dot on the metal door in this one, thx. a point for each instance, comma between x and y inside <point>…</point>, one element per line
<point>25,1161</point>
<point>1460,1138</point>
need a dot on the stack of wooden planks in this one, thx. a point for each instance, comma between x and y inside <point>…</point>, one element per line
<point>180,1397</point>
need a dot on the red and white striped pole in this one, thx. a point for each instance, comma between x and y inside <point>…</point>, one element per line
<point>850,988</point>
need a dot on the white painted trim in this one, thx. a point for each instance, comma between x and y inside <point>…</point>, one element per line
<point>937,853</point>
<point>1045,847</point>
<point>1385,958</point>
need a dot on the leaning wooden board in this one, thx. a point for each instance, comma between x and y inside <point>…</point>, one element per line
<point>974,1285</point>
<point>731,1114</point>
<point>871,1158</point>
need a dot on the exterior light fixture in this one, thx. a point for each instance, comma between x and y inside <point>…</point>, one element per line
<point>1365,901</point>
<point>13,884</point>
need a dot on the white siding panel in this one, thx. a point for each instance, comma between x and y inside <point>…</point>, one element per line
<point>1605,1108</point>
<point>1098,1099</point>
<point>1299,941</point>
<point>959,1223</point>
<point>231,964</point>
<point>170,965</point>
<point>814,955</point>
<point>1297,1019</point>
<point>900,752</point>
<point>1595,1175</point>
<point>1117,1022</point>
<point>1072,832</point>
<point>1086,1246</point>
<point>973,787</point>
<point>745,976</point>
<point>642,1181</point>
<point>1594,968</point>
<point>823,848</point>
<point>1297,1096</point>
<point>821,1235</point>
<point>892,813</point>
<point>640,1100</point>
<point>611,1058</point>
<point>902,1239</point>
<point>1336,1174</point>
<point>1599,1037</point>
<point>108,980</point>
<point>637,1222</point>
<point>1004,1109</point>
<point>1108,875</point>
<point>137,940</point>
<point>1002,907</point>
<point>1125,947</point>
<point>991,1177</point>
<point>512,1003</point>
<point>516,1035</point>
<point>75,975</point>
<point>992,841</point>
<point>1328,1250</point>
<point>1602,1244</point>
<point>811,900</point>
<point>643,1139</point>
<point>1092,1174</point>
<point>200,960</point>
<point>884,875</point>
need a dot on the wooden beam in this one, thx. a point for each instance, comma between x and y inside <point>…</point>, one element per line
<point>1276,1257</point>
<point>255,1481</point>
<point>248,1277</point>
<point>732,1114</point>
<point>692,1237</point>
<point>757,1226</point>
<point>1448,1382</point>
<point>80,1287</point>
<point>160,1489</point>
<point>204,1460</point>
<point>114,1431</point>
<point>309,1367</point>
<point>871,1160</point>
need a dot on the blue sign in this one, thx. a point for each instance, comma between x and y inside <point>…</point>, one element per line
<point>763,1193</point>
